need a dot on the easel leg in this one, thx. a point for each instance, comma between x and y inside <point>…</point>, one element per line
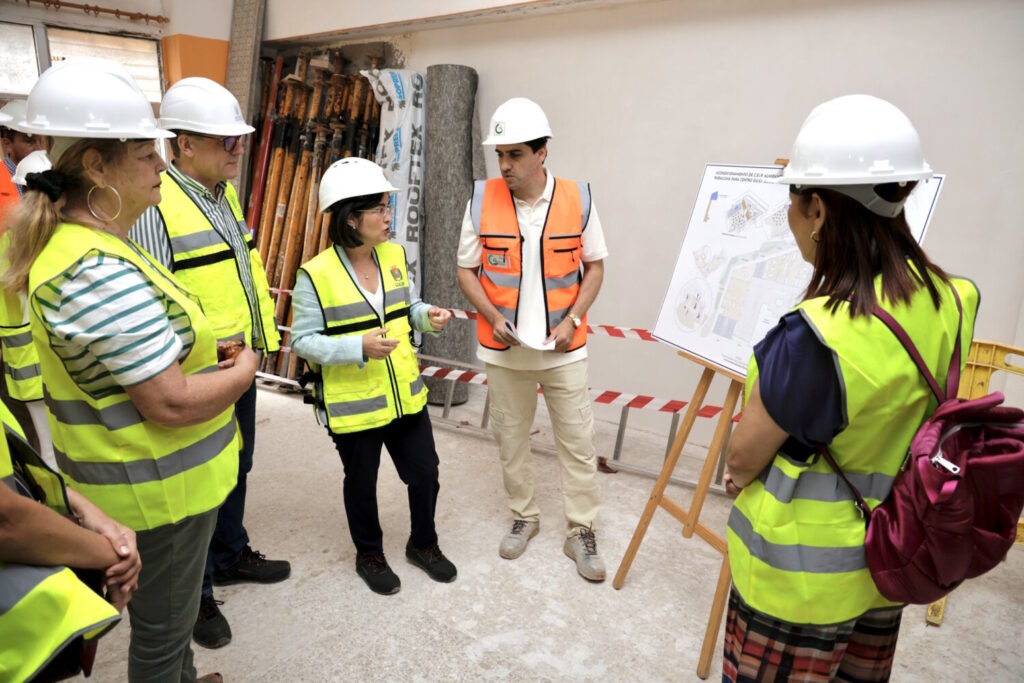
<point>707,650</point>
<point>666,474</point>
<point>708,471</point>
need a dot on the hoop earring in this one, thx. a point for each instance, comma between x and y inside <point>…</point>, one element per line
<point>815,237</point>
<point>88,204</point>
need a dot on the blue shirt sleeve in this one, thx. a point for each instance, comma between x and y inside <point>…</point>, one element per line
<point>800,385</point>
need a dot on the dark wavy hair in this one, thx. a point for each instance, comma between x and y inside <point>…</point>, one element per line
<point>338,229</point>
<point>856,245</point>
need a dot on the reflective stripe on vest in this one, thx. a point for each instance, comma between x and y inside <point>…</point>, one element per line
<point>145,471</point>
<point>42,609</point>
<point>354,398</point>
<point>493,212</point>
<point>140,473</point>
<point>205,263</point>
<point>796,540</point>
<point>21,362</point>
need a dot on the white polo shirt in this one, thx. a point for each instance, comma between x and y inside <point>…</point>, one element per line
<point>532,322</point>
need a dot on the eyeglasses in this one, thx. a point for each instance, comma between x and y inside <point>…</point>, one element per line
<point>230,142</point>
<point>381,210</point>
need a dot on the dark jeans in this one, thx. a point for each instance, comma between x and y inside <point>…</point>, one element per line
<point>410,442</point>
<point>229,537</point>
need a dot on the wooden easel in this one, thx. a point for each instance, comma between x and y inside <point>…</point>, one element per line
<point>689,517</point>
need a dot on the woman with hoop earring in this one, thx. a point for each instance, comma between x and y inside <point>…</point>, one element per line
<point>140,409</point>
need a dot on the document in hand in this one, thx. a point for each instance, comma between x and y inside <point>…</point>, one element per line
<point>539,345</point>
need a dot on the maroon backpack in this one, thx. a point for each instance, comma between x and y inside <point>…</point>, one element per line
<point>953,509</point>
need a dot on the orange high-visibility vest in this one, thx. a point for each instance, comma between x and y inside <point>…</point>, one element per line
<point>9,197</point>
<point>501,268</point>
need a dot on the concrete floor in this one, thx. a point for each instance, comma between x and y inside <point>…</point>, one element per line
<point>532,619</point>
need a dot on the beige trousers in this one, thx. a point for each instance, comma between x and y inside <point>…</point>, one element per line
<point>513,396</point>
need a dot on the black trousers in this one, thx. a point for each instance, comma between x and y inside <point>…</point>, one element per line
<point>410,442</point>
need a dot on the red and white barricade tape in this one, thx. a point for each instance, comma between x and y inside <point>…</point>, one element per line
<point>604,330</point>
<point>610,398</point>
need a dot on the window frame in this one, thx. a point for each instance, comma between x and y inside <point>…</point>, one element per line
<point>42,45</point>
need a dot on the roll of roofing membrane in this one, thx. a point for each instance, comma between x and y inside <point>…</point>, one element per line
<point>449,174</point>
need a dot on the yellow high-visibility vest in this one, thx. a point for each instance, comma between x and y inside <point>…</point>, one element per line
<point>42,609</point>
<point>357,398</point>
<point>142,474</point>
<point>796,539</point>
<point>205,263</point>
<point>21,362</point>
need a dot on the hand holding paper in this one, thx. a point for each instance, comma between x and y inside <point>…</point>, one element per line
<point>546,345</point>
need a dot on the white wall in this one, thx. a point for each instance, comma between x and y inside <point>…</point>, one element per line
<point>643,95</point>
<point>204,18</point>
<point>286,19</point>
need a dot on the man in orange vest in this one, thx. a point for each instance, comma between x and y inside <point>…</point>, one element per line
<point>16,146</point>
<point>530,260</point>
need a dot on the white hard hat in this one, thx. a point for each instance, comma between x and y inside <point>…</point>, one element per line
<point>856,140</point>
<point>517,120</point>
<point>13,115</point>
<point>352,177</point>
<point>83,97</point>
<point>203,106</point>
<point>35,162</point>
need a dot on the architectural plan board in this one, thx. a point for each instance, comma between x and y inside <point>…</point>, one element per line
<point>739,269</point>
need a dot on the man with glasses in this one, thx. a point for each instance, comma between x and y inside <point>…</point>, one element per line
<point>198,231</point>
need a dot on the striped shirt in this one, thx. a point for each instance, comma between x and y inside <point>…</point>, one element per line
<point>150,231</point>
<point>110,326</point>
<point>11,168</point>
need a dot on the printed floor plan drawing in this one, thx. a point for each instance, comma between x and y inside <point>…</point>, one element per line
<point>739,269</point>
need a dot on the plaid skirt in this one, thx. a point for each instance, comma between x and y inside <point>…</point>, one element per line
<point>760,648</point>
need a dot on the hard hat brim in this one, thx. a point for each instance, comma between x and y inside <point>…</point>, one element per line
<point>491,140</point>
<point>192,127</point>
<point>857,179</point>
<point>98,133</point>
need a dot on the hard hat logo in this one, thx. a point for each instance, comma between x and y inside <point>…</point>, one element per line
<point>499,128</point>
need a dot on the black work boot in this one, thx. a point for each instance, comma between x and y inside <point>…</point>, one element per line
<point>377,574</point>
<point>252,567</point>
<point>211,629</point>
<point>432,561</point>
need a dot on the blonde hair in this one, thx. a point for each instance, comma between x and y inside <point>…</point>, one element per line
<point>31,225</point>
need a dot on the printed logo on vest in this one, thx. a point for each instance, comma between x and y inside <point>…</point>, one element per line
<point>496,260</point>
<point>396,273</point>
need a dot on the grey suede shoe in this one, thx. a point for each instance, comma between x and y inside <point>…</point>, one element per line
<point>514,543</point>
<point>581,546</point>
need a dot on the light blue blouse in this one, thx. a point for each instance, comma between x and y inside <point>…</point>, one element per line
<point>308,323</point>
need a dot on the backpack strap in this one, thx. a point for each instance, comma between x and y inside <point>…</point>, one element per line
<point>859,502</point>
<point>953,374</point>
<point>952,384</point>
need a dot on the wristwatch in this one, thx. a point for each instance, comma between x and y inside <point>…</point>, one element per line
<point>576,322</point>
